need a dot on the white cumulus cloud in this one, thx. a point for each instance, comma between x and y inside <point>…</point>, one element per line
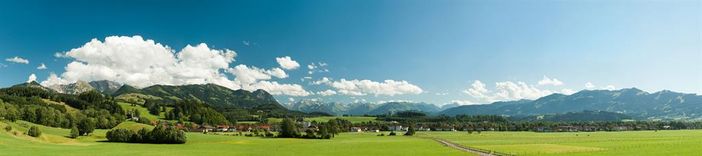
<point>324,80</point>
<point>550,81</point>
<point>508,90</point>
<point>31,78</point>
<point>567,91</point>
<point>287,63</point>
<point>42,66</point>
<point>281,89</point>
<point>589,85</point>
<point>141,62</point>
<point>327,92</point>
<point>478,91</point>
<point>320,67</point>
<point>368,87</point>
<point>17,59</point>
<point>609,87</point>
<point>462,102</point>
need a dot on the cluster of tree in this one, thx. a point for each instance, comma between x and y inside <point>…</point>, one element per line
<point>27,103</point>
<point>154,107</point>
<point>290,128</point>
<point>195,111</point>
<point>498,123</point>
<point>159,135</point>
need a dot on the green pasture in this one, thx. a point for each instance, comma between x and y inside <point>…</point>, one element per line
<point>678,142</point>
<point>53,142</point>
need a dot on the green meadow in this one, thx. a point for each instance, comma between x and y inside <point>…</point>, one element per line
<point>53,142</point>
<point>672,142</point>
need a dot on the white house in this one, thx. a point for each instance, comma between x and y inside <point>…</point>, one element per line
<point>356,129</point>
<point>397,128</point>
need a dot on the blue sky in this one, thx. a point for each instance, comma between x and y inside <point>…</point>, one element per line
<point>440,47</point>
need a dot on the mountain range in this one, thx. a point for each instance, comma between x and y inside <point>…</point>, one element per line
<point>336,108</point>
<point>630,101</point>
<point>103,86</point>
<point>218,97</point>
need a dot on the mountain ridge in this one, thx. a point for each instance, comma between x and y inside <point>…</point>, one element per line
<point>630,101</point>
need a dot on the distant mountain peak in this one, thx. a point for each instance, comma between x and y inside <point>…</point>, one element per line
<point>106,86</point>
<point>630,101</point>
<point>73,88</point>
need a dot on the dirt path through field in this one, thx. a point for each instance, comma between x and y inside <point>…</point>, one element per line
<point>462,148</point>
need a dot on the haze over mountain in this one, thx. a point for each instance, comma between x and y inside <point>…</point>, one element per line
<point>632,101</point>
<point>337,108</point>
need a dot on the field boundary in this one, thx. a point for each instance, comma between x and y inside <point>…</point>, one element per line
<point>481,152</point>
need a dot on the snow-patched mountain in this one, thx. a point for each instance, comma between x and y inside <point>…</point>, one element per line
<point>73,88</point>
<point>103,86</point>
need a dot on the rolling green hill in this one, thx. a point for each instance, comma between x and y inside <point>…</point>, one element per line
<point>235,104</point>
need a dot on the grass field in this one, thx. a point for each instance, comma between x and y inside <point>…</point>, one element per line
<point>353,119</point>
<point>681,142</point>
<point>53,142</point>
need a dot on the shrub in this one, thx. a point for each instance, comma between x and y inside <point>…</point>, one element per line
<point>269,134</point>
<point>74,132</point>
<point>34,131</point>
<point>392,133</point>
<point>86,126</point>
<point>8,128</point>
<point>410,131</point>
<point>119,135</point>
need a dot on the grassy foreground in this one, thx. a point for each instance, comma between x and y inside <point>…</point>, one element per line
<point>53,142</point>
<point>679,142</point>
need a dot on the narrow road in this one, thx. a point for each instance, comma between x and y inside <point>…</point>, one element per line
<point>462,148</point>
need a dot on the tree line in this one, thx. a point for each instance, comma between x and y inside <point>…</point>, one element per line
<point>161,134</point>
<point>30,104</point>
<point>290,128</point>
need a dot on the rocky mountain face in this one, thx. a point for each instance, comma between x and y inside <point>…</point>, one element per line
<point>73,88</point>
<point>105,86</point>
